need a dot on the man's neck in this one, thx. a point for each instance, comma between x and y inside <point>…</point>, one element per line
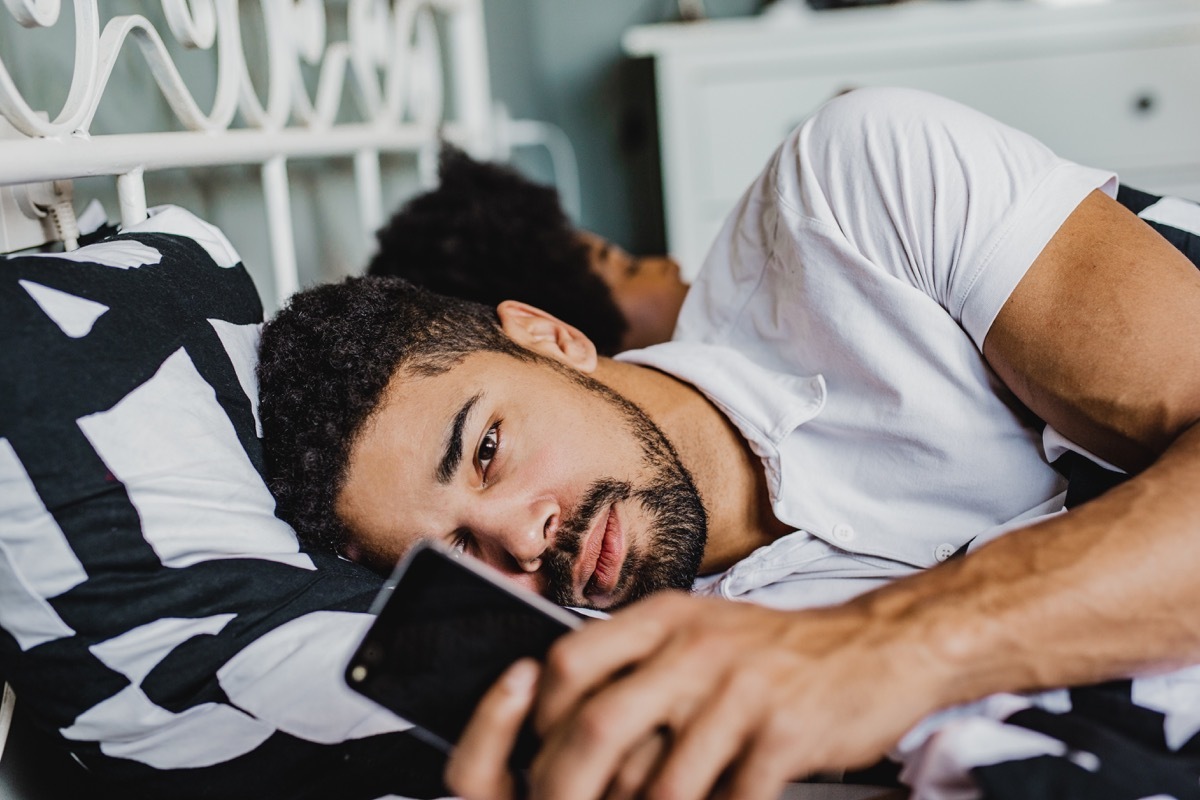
<point>728,475</point>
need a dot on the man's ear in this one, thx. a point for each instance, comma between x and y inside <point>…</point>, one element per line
<point>546,334</point>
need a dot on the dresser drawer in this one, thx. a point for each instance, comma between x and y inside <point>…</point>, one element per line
<point>1114,85</point>
<point>1128,108</point>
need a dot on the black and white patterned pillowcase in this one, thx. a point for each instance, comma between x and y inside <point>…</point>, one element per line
<point>154,613</point>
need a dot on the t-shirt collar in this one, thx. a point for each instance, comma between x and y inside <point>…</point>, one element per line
<point>766,406</point>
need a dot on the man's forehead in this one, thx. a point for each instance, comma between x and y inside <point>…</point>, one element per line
<point>395,457</point>
<point>440,377</point>
<point>418,405</point>
<point>426,403</point>
<point>448,368</point>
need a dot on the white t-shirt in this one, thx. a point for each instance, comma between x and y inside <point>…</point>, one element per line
<point>839,322</point>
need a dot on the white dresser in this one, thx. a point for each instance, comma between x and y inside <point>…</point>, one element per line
<point>1111,84</point>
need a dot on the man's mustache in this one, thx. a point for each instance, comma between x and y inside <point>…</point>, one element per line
<point>558,562</point>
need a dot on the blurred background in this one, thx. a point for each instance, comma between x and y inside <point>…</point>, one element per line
<point>1111,83</point>
<point>562,61</point>
<point>653,115</point>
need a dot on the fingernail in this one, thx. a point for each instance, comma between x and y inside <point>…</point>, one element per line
<point>520,676</point>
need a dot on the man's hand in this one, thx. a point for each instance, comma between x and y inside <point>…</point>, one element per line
<point>478,768</point>
<point>744,699</point>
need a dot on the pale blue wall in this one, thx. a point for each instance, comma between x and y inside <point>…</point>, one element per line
<point>561,61</point>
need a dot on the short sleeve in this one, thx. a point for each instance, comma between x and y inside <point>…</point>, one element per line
<point>932,193</point>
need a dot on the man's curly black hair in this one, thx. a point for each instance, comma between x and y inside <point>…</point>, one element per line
<point>488,234</point>
<point>324,363</point>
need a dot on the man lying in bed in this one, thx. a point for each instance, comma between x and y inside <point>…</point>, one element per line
<point>854,396</point>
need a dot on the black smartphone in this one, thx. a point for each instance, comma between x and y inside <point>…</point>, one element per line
<point>447,627</point>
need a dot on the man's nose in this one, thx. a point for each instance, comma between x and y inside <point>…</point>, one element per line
<point>515,536</point>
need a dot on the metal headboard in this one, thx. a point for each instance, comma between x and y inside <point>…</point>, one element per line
<point>411,69</point>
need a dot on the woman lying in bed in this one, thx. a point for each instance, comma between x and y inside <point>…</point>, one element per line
<point>487,234</point>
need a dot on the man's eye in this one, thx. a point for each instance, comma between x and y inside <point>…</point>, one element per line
<point>459,546</point>
<point>488,448</point>
<point>634,267</point>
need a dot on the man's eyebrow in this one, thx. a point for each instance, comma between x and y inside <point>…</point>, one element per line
<point>453,453</point>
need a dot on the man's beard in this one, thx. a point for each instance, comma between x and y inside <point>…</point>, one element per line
<point>670,556</point>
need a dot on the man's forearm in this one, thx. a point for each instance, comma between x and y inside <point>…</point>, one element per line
<point>1104,591</point>
<point>761,696</point>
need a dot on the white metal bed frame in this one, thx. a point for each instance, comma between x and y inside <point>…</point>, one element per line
<point>408,88</point>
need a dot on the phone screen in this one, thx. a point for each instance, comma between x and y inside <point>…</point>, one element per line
<point>446,631</point>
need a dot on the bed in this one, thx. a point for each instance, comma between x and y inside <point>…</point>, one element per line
<point>162,633</point>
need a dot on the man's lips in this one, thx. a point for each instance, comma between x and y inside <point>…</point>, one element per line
<point>599,566</point>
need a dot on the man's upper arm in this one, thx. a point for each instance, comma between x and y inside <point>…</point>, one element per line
<point>1101,337</point>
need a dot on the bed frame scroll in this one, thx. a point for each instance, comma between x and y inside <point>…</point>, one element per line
<point>408,73</point>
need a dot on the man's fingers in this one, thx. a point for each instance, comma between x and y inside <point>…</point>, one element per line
<point>710,742</point>
<point>761,773</point>
<point>478,768</point>
<point>580,663</point>
<point>587,749</point>
<point>638,769</point>
<point>581,757</point>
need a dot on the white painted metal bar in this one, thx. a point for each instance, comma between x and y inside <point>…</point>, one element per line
<point>279,227</point>
<point>472,95</point>
<point>532,133</point>
<point>31,160</point>
<point>427,166</point>
<point>369,184</point>
<point>131,194</point>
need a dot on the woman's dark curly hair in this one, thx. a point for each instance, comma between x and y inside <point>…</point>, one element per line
<point>324,363</point>
<point>488,234</point>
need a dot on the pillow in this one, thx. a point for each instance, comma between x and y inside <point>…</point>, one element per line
<point>1175,218</point>
<point>156,618</point>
